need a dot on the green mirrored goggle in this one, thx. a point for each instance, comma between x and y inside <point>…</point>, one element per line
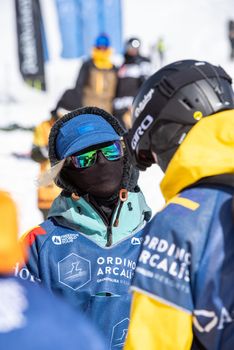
<point>111,152</point>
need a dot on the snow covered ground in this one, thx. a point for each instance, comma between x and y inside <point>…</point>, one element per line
<point>191,29</point>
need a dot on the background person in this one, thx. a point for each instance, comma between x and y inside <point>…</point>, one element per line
<point>132,73</point>
<point>184,275</point>
<point>30,318</point>
<point>87,249</point>
<point>160,46</point>
<point>97,79</point>
<point>231,38</point>
<point>39,153</point>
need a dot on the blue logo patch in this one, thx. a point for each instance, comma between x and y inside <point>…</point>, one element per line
<point>74,271</point>
<point>84,129</point>
<point>119,334</point>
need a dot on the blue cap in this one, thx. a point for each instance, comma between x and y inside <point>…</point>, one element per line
<point>102,41</point>
<point>83,131</point>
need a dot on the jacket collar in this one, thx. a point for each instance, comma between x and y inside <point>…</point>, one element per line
<point>82,216</point>
<point>206,151</point>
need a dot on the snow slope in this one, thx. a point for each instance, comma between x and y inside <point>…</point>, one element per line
<point>191,29</point>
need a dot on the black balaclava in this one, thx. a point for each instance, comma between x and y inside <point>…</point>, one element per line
<point>129,173</point>
<point>102,180</point>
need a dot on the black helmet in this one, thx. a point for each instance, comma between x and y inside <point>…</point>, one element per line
<point>170,102</point>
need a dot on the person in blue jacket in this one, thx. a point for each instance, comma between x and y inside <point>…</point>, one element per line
<point>183,285</point>
<point>87,249</point>
<point>30,317</point>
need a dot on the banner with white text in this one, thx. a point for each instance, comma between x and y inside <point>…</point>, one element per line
<point>32,48</point>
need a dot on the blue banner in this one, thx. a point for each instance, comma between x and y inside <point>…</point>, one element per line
<point>70,24</point>
<point>81,21</point>
<point>110,22</point>
<point>90,27</point>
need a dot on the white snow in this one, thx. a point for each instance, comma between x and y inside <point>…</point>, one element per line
<point>191,29</point>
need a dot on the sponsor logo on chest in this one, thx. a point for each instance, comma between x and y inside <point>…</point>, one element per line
<point>64,239</point>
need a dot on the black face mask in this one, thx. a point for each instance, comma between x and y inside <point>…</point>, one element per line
<point>102,179</point>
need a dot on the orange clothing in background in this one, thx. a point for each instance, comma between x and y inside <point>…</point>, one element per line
<point>10,250</point>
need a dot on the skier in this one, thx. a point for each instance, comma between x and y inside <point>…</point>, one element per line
<point>97,79</point>
<point>161,51</point>
<point>30,318</point>
<point>39,153</point>
<point>132,73</point>
<point>184,121</point>
<point>231,38</point>
<point>87,249</point>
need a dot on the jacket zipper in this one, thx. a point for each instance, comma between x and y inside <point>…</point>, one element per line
<point>109,227</point>
<point>109,236</point>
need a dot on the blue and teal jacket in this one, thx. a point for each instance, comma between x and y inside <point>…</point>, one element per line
<point>185,272</point>
<point>68,253</point>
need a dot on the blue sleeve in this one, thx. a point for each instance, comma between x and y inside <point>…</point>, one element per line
<point>34,240</point>
<point>170,256</point>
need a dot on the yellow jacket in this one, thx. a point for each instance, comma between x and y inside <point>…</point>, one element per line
<point>46,194</point>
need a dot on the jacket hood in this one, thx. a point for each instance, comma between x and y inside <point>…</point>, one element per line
<point>206,151</point>
<point>130,174</point>
<point>80,215</point>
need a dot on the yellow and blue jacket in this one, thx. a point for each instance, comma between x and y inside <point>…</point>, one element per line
<point>183,283</point>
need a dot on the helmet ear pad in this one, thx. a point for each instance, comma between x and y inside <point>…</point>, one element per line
<point>166,137</point>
